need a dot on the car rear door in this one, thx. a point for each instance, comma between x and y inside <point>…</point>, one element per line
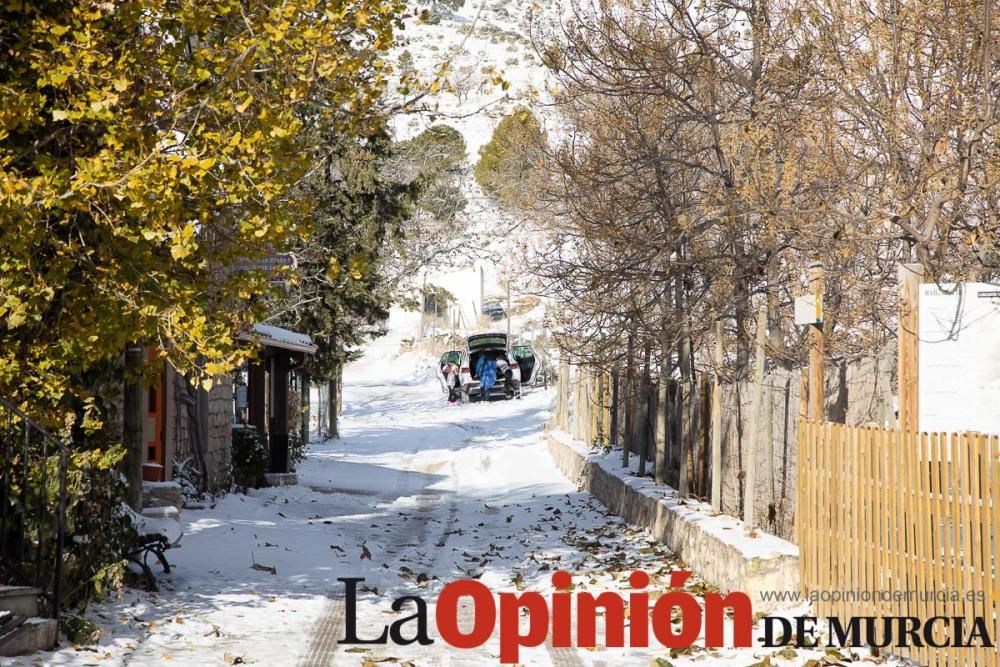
<point>526,360</point>
<point>487,341</point>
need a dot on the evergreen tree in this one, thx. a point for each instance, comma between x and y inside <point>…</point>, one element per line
<point>507,161</point>
<point>373,208</point>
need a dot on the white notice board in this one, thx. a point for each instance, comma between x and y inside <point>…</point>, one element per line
<point>960,357</point>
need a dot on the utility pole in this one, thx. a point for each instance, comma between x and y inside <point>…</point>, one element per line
<point>817,411</point>
<point>909,278</point>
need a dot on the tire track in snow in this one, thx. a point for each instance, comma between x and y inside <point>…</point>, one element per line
<point>563,657</point>
<point>327,630</point>
<point>324,645</point>
<point>325,636</point>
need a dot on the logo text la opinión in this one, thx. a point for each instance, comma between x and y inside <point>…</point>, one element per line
<point>553,618</point>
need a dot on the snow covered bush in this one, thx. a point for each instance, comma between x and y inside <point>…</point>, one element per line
<point>296,448</point>
<point>250,456</point>
<point>187,474</point>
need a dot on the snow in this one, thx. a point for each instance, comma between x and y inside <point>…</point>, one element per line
<point>432,493</point>
<point>415,494</point>
<point>727,529</point>
<point>161,485</point>
<point>150,524</point>
<point>271,335</point>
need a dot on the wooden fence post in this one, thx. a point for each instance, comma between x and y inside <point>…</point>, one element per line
<point>589,412</point>
<point>909,277</point>
<point>717,423</point>
<point>577,401</point>
<point>750,477</point>
<point>817,410</point>
<point>596,378</point>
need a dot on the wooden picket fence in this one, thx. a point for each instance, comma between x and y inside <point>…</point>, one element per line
<point>883,510</point>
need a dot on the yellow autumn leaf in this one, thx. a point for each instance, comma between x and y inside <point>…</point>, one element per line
<point>334,270</point>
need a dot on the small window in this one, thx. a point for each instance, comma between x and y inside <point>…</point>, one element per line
<point>152,399</point>
<point>151,453</point>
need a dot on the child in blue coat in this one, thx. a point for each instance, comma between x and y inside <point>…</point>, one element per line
<point>486,369</point>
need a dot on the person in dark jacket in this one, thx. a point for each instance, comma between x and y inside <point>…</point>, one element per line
<point>504,369</point>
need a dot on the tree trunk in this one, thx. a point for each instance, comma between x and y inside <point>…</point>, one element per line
<point>662,435</point>
<point>629,396</point>
<point>340,390</point>
<point>643,422</point>
<point>133,405</point>
<point>615,399</point>
<point>756,435</point>
<point>333,408</point>
<point>684,357</point>
<point>306,405</point>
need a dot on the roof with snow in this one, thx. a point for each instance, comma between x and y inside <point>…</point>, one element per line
<point>265,334</point>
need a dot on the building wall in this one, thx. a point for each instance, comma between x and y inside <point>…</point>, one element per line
<point>219,447</point>
<point>213,412</point>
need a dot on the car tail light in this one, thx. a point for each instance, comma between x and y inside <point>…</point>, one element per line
<point>465,369</point>
<point>514,365</point>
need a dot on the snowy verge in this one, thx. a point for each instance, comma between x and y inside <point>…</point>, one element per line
<point>716,547</point>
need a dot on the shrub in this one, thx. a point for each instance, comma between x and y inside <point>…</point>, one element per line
<point>296,448</point>
<point>506,162</point>
<point>405,62</point>
<point>97,525</point>
<point>250,456</point>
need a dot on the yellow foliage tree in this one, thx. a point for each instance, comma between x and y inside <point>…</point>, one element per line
<point>148,151</point>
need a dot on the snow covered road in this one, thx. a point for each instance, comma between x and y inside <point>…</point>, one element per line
<point>415,495</point>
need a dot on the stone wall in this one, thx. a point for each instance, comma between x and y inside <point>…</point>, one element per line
<point>856,392</point>
<point>219,448</point>
<point>714,547</point>
<point>213,412</point>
